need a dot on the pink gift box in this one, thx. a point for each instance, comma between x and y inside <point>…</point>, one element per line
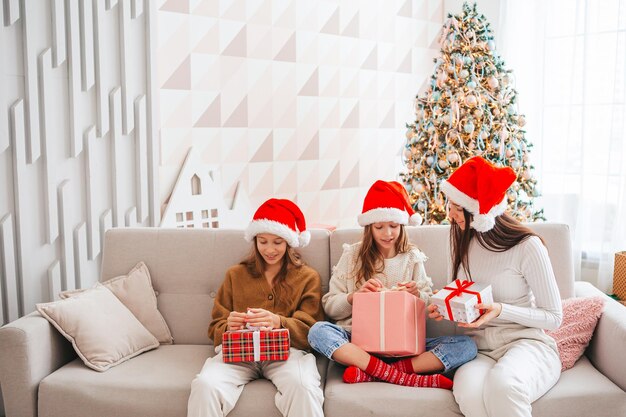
<point>389,323</point>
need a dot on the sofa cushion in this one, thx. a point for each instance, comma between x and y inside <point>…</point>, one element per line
<point>155,384</point>
<point>382,399</point>
<point>582,391</point>
<point>102,330</point>
<point>580,317</point>
<point>187,268</point>
<point>569,397</point>
<point>135,291</point>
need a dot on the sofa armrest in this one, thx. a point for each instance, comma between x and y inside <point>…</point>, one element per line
<point>606,350</point>
<point>31,350</point>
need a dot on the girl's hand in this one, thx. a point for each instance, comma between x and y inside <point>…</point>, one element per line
<point>410,287</point>
<point>433,312</point>
<point>235,321</point>
<point>493,311</point>
<point>263,319</point>
<point>371,285</point>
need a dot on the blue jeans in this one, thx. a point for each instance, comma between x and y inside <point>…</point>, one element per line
<point>452,351</point>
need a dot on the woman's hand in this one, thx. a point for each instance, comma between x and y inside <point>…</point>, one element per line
<point>410,287</point>
<point>263,319</point>
<point>371,285</point>
<point>492,311</point>
<point>235,321</point>
<point>433,312</point>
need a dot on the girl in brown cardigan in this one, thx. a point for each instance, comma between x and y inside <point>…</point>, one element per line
<point>270,289</point>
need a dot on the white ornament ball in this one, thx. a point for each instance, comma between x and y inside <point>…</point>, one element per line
<point>521,121</point>
<point>504,134</point>
<point>453,157</point>
<point>407,153</point>
<point>443,164</point>
<point>509,153</point>
<point>492,82</point>
<point>464,73</point>
<point>471,101</point>
<point>515,164</point>
<point>430,160</point>
<point>527,175</point>
<point>478,113</point>
<point>484,135</point>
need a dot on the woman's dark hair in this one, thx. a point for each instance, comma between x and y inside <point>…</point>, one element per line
<point>505,234</point>
<point>255,264</point>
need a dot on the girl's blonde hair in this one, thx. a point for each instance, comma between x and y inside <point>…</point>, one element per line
<point>255,264</point>
<point>369,260</point>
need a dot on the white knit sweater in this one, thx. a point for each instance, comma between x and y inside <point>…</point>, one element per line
<point>403,267</point>
<point>522,280</point>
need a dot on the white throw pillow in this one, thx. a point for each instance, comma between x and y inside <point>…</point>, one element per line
<point>102,330</point>
<point>135,291</point>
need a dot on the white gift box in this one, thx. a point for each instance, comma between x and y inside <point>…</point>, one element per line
<point>462,304</point>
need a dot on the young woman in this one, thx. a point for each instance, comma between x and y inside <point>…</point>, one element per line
<point>384,258</point>
<point>271,289</point>
<point>517,362</point>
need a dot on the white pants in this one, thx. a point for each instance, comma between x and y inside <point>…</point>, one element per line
<point>215,391</point>
<point>506,384</point>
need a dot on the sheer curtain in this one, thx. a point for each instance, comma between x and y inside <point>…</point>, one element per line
<point>569,59</point>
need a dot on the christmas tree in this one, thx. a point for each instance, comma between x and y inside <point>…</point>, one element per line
<point>469,108</point>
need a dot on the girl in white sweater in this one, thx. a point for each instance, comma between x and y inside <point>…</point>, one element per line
<point>383,259</point>
<point>517,362</point>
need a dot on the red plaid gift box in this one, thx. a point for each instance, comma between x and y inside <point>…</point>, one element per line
<point>257,345</point>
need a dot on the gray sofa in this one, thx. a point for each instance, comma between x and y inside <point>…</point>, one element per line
<point>41,376</point>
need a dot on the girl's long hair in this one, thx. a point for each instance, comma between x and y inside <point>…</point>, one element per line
<point>255,264</point>
<point>506,233</point>
<point>370,261</point>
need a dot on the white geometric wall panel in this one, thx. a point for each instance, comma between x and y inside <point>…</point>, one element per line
<point>78,139</point>
<point>297,99</point>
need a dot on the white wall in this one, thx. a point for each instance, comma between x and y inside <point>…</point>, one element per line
<point>299,99</point>
<point>77,140</point>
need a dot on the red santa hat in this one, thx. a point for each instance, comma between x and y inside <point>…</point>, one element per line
<point>480,188</point>
<point>281,218</point>
<point>388,201</point>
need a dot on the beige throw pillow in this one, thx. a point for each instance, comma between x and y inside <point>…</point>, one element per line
<point>135,291</point>
<point>102,330</point>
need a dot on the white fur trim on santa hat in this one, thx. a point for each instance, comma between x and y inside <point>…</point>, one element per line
<point>387,214</point>
<point>481,222</point>
<point>485,222</point>
<point>468,203</point>
<point>275,228</point>
<point>415,219</point>
<point>304,238</point>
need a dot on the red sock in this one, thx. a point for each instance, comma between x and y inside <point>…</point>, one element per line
<point>380,370</point>
<point>353,375</point>
<point>404,365</point>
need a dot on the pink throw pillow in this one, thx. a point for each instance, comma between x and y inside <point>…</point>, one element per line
<point>580,316</point>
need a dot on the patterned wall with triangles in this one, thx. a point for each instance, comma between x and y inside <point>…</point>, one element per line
<point>297,99</point>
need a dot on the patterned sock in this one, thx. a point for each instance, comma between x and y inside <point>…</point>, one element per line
<point>382,371</point>
<point>404,365</point>
<point>353,375</point>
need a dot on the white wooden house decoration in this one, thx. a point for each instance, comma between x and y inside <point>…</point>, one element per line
<point>197,200</point>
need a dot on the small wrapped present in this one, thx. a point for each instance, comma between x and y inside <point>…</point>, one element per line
<point>457,300</point>
<point>389,323</point>
<point>255,345</point>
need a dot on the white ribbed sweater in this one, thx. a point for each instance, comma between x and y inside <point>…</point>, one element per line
<point>522,280</point>
<point>403,267</point>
